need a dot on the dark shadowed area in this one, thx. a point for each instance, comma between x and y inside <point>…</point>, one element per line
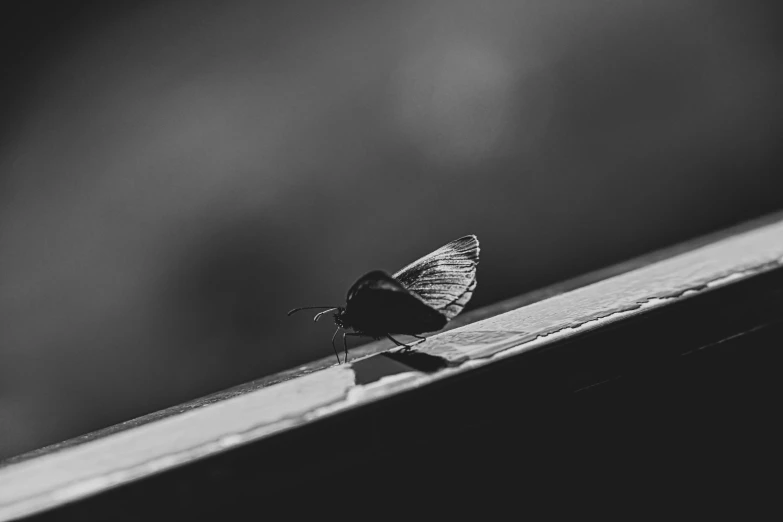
<point>175,176</point>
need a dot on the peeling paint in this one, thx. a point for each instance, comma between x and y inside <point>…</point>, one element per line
<point>383,387</point>
<point>74,472</point>
<point>465,343</point>
<point>627,294</point>
<point>247,414</point>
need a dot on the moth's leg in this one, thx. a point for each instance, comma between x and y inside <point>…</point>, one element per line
<point>345,343</point>
<point>395,341</point>
<point>398,343</point>
<point>334,347</point>
<point>420,340</point>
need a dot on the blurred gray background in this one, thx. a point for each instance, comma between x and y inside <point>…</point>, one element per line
<point>175,176</point>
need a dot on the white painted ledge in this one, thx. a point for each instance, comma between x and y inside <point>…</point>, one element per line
<point>212,425</point>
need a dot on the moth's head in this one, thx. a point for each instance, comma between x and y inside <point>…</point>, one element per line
<point>340,318</point>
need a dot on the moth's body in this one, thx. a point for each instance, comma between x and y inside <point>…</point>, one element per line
<point>420,298</point>
<point>379,305</point>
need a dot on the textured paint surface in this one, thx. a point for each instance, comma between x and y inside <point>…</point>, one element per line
<point>248,413</point>
<point>700,269</point>
<point>80,470</point>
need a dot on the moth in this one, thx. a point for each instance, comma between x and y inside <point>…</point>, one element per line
<point>422,297</point>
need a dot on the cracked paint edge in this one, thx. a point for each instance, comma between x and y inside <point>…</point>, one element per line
<point>351,394</point>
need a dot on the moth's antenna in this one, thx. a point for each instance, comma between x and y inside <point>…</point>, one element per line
<point>319,314</point>
<point>310,308</point>
<point>334,347</point>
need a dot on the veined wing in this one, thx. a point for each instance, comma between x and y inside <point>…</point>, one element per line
<point>444,279</point>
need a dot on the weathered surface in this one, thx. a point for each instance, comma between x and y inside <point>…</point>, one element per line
<point>708,267</point>
<point>255,411</point>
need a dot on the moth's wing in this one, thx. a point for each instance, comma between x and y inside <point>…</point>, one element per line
<point>446,278</point>
<point>377,280</point>
<point>378,304</point>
